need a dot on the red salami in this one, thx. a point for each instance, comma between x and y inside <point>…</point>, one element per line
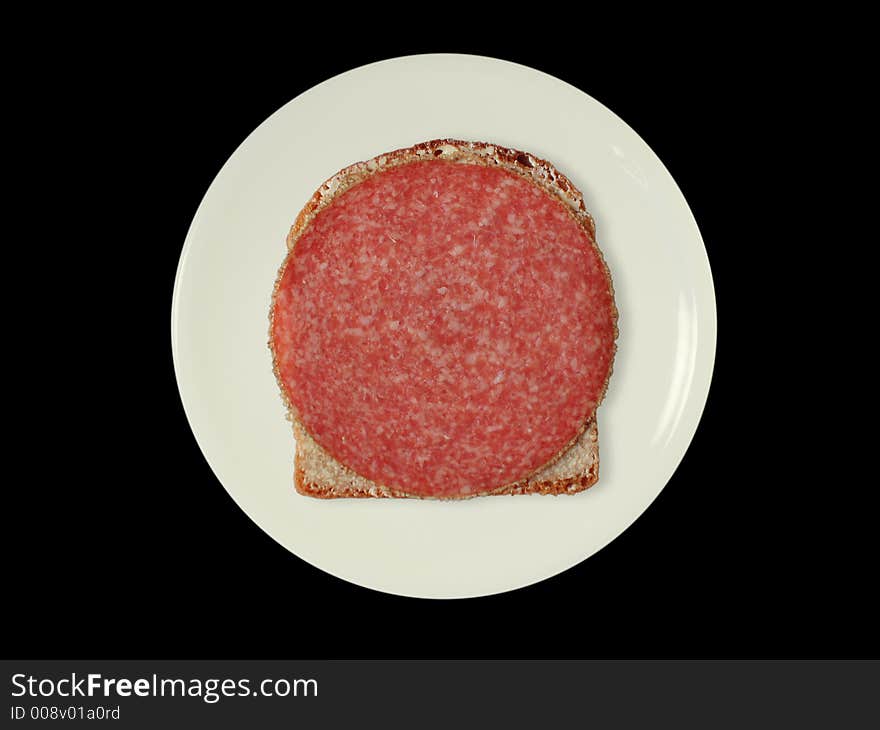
<point>444,328</point>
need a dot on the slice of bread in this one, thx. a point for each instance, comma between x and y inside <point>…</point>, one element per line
<point>576,467</point>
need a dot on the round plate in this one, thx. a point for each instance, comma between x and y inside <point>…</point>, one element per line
<point>663,285</point>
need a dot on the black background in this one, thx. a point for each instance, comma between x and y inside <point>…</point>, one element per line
<point>123,543</point>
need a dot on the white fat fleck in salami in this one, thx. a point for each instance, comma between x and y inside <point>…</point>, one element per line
<point>444,328</point>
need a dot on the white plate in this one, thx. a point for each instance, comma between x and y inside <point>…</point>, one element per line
<point>219,324</point>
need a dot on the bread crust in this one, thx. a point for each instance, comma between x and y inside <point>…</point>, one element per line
<point>312,463</point>
<point>524,164</point>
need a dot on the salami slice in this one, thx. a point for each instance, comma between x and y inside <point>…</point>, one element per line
<point>444,328</point>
